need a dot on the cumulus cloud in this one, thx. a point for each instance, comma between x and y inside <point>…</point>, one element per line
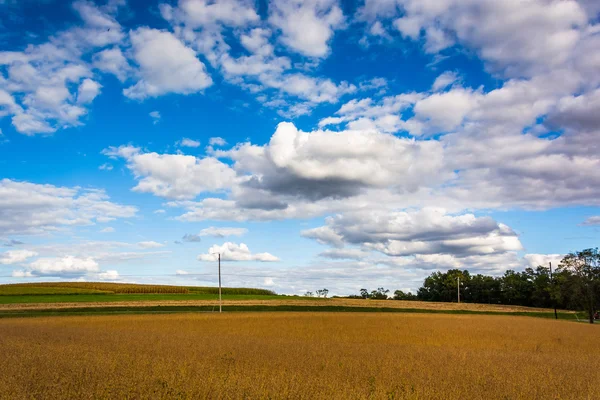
<point>174,176</point>
<point>513,37</point>
<point>324,235</point>
<point>199,13</point>
<point>207,27</point>
<point>112,61</point>
<point>185,142</point>
<point>307,26</point>
<point>424,232</point>
<point>12,257</point>
<point>49,85</point>
<point>29,208</point>
<point>544,260</point>
<point>577,112</point>
<point>235,252</point>
<point>322,164</point>
<point>217,141</point>
<point>88,90</point>
<point>60,266</point>
<point>158,54</point>
<point>110,275</point>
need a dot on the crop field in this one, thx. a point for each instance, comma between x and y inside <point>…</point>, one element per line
<point>118,288</point>
<point>298,355</point>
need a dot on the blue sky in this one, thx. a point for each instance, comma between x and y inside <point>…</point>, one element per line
<point>312,143</point>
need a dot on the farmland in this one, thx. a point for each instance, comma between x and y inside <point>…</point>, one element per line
<point>102,292</point>
<point>298,355</point>
<point>76,298</point>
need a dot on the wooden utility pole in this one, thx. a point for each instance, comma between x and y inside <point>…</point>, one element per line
<point>458,288</point>
<point>220,299</point>
<point>552,293</point>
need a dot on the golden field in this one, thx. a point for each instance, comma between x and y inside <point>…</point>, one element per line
<point>289,301</point>
<point>298,356</point>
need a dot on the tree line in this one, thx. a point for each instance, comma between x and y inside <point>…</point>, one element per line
<point>574,285</point>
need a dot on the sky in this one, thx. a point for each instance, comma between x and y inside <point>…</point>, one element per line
<point>313,144</point>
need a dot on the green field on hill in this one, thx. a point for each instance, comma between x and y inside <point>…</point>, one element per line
<point>60,292</point>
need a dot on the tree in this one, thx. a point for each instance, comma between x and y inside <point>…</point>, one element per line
<point>364,293</point>
<point>379,294</point>
<point>541,293</point>
<point>516,288</point>
<point>309,294</point>
<point>322,292</point>
<point>440,286</point>
<point>400,295</point>
<point>582,279</point>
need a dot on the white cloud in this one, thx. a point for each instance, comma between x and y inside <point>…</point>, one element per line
<point>577,112</point>
<point>155,115</point>
<point>185,142</point>
<point>444,80</point>
<point>535,260</point>
<point>514,37</point>
<point>175,176</point>
<point>365,114</point>
<point>217,141</point>
<point>61,266</point>
<point>181,272</point>
<point>158,54</point>
<point>307,26</point>
<point>107,230</point>
<point>88,90</point>
<point>150,245</point>
<point>591,221</point>
<point>315,90</point>
<point>444,111</point>
<point>222,232</point>
<point>191,238</point>
<point>159,211</point>
<point>52,80</point>
<point>324,235</point>
<point>345,254</point>
<point>425,232</point>
<point>29,208</point>
<point>105,167</point>
<point>110,275</point>
<point>12,257</point>
<point>322,164</point>
<point>200,13</point>
<point>112,61</point>
<point>235,252</point>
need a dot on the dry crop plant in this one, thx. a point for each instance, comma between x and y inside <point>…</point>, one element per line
<point>298,355</point>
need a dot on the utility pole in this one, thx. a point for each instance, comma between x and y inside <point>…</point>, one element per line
<point>458,288</point>
<point>551,293</point>
<point>220,299</point>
